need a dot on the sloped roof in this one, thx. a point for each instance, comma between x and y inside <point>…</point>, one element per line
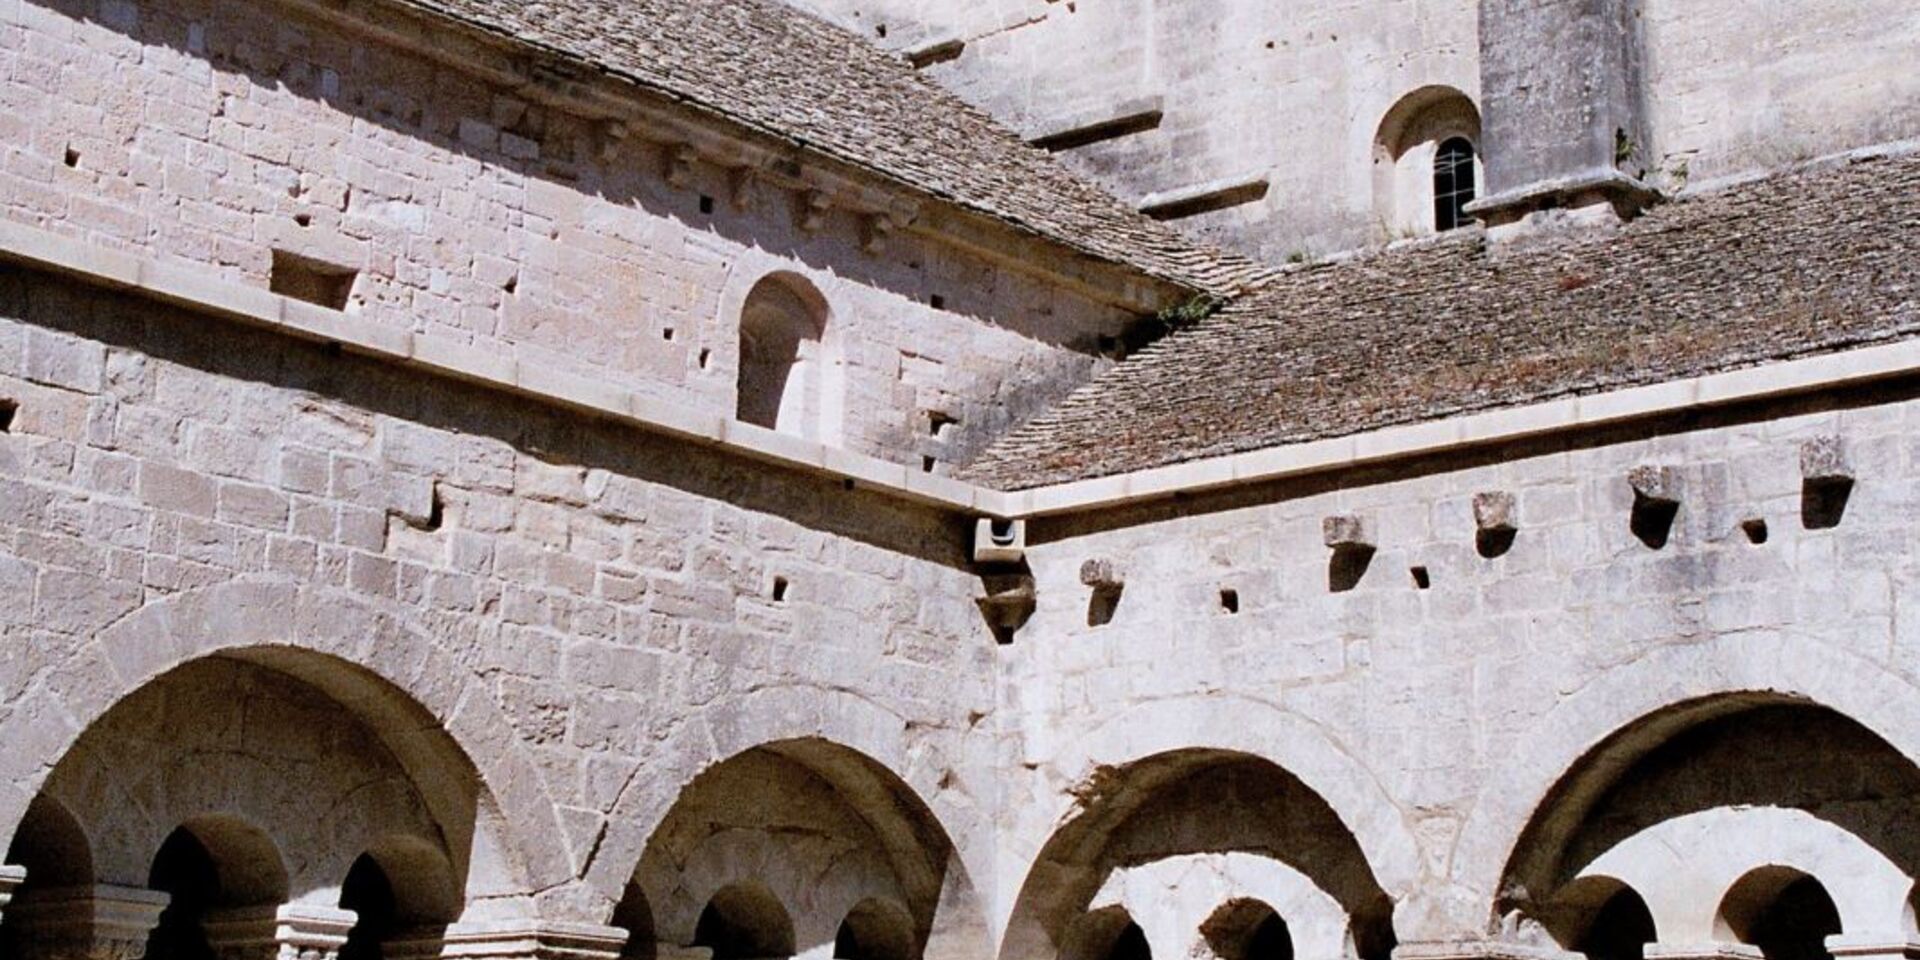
<point>767,66</point>
<point>1806,262</point>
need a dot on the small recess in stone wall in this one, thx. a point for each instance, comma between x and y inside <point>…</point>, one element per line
<point>706,204</point>
<point>1493,515</point>
<point>779,589</point>
<point>1656,502</point>
<point>1352,543</point>
<point>7,409</point>
<point>1107,586</point>
<point>1756,530</point>
<point>1826,483</point>
<point>937,302</point>
<point>666,333</point>
<point>72,158</point>
<point>1422,580</point>
<point>926,464</point>
<point>1230,600</point>
<point>314,281</point>
<point>938,422</point>
<point>706,357</point>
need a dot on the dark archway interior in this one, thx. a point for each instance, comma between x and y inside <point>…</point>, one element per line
<point>368,892</point>
<point>875,930</point>
<point>745,922</point>
<point>1197,801</point>
<point>1247,930</point>
<point>185,871</point>
<point>1620,930</point>
<point>1729,751</point>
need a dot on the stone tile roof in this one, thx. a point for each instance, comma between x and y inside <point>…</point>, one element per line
<point>767,66</point>
<point>1806,262</point>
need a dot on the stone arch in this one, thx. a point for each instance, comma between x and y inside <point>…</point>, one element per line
<point>848,740</point>
<point>1105,933</point>
<point>1666,691</point>
<point>1238,725</point>
<point>435,716</point>
<point>1404,149</point>
<point>1601,917</point>
<point>1215,905</point>
<point>1787,913</point>
<point>1194,801</point>
<point>744,920</point>
<point>788,373</point>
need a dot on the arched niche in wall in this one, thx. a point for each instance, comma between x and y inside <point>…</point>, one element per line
<point>1697,809</point>
<point>1211,823</point>
<point>790,372</point>
<point>1426,163</point>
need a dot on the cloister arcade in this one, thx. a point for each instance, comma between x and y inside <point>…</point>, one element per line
<point>314,807</point>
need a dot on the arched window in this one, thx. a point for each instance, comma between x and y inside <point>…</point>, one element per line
<point>789,376</point>
<point>1425,164</point>
<point>1247,930</point>
<point>1786,913</point>
<point>1453,175</point>
<point>875,929</point>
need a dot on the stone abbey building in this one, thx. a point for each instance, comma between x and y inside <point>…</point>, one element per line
<point>900,479</point>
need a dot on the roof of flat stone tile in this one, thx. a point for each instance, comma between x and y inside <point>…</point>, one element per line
<point>1815,260</point>
<point>767,66</point>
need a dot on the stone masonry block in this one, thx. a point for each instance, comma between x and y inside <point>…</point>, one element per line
<point>1494,511</point>
<point>1825,458</point>
<point>1657,484</point>
<point>1347,530</point>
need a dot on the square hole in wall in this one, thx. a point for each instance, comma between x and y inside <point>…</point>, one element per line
<point>1229,600</point>
<point>72,159</point>
<point>1422,580</point>
<point>706,204</point>
<point>938,423</point>
<point>926,464</point>
<point>7,409</point>
<point>666,333</point>
<point>937,302</point>
<point>314,281</point>
<point>779,589</point>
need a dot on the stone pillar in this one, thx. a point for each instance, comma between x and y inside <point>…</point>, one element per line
<point>100,922</point>
<point>291,931</point>
<point>1870,946</point>
<point>1562,112</point>
<point>11,877</point>
<point>510,940</point>
<point>1712,950</point>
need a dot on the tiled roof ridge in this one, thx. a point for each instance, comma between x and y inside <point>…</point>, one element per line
<point>784,72</point>
<point>1804,261</point>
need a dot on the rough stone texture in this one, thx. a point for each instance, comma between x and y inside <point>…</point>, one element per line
<point>1810,261</point>
<point>324,142</point>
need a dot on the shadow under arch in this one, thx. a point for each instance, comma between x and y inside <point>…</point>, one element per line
<point>1426,113</point>
<point>434,717</point>
<point>800,817</point>
<point>1186,801</point>
<point>1718,753</point>
<point>1669,688</point>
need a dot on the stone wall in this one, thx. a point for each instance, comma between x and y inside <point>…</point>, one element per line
<point>1298,93</point>
<point>552,625</point>
<point>205,132</point>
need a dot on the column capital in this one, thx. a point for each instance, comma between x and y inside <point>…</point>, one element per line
<point>1880,946</point>
<point>99,922</point>
<point>1711,950</point>
<point>510,940</point>
<point>288,931</point>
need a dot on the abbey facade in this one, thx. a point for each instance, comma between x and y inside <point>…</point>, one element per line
<point>1069,480</point>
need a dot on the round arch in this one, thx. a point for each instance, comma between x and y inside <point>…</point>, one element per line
<point>1168,805</point>
<point>789,371</point>
<point>1407,146</point>
<point>1254,728</point>
<point>848,740</point>
<point>1653,698</point>
<point>436,717</point>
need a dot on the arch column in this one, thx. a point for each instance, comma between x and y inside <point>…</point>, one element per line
<point>100,922</point>
<point>510,940</point>
<point>293,930</point>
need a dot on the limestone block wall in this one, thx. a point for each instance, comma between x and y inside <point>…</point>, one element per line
<point>218,134</point>
<point>1433,683</point>
<point>1294,94</point>
<point>1752,85</point>
<point>552,626</point>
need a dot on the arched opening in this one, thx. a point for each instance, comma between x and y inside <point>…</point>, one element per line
<point>193,784</point>
<point>52,847</point>
<point>1683,802</point>
<point>819,828</point>
<point>1247,930</point>
<point>745,921</point>
<point>369,894</point>
<point>211,863</point>
<point>1786,913</point>
<point>1602,919</point>
<point>875,929</point>
<point>1105,934</point>
<point>186,873</point>
<point>1206,805</point>
<point>1426,163</point>
<point>788,376</point>
<point>634,915</point>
